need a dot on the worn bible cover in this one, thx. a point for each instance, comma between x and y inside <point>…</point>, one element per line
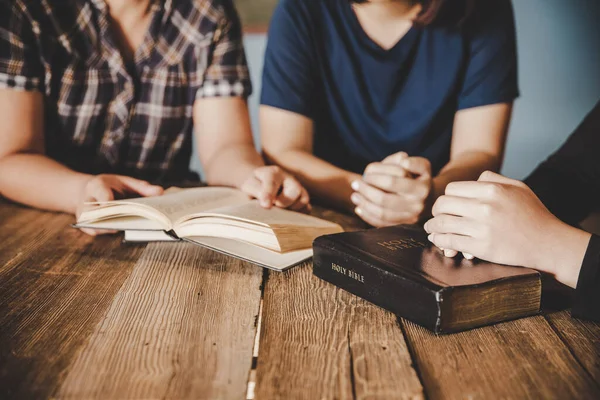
<point>398,269</point>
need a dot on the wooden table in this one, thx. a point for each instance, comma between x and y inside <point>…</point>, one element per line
<point>95,318</point>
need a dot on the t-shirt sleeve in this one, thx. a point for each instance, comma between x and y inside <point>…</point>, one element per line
<point>227,74</point>
<point>491,75</point>
<point>287,75</point>
<point>20,64</point>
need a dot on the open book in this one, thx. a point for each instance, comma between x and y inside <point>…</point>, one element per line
<point>223,219</point>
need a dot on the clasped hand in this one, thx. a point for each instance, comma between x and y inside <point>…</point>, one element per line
<point>396,191</point>
<point>501,220</point>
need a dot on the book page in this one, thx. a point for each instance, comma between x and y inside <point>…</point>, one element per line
<point>176,204</point>
<point>275,217</point>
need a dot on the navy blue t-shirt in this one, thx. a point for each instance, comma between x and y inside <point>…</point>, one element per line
<point>366,102</point>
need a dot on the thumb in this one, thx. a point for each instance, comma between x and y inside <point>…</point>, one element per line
<point>417,165</point>
<point>396,158</point>
<point>492,177</point>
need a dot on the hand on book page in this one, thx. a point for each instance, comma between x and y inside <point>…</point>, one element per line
<point>274,187</point>
<point>110,187</point>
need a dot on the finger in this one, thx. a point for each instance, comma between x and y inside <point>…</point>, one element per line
<point>371,193</point>
<point>371,219</point>
<point>292,190</point>
<point>445,223</point>
<point>388,216</point>
<point>386,169</point>
<point>450,241</point>
<point>396,158</point>
<point>303,203</point>
<point>450,253</point>
<point>417,165</point>
<point>141,187</point>
<point>100,192</point>
<point>470,189</point>
<point>271,179</point>
<point>492,177</point>
<point>474,190</point>
<point>90,232</point>
<point>458,206</point>
<point>97,232</point>
<point>401,186</point>
<point>489,176</point>
<point>252,187</point>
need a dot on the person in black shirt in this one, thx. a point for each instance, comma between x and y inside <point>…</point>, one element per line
<point>531,224</point>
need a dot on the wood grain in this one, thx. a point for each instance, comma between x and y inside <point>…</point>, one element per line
<point>182,326</point>
<point>517,360</point>
<point>320,342</point>
<point>25,230</point>
<point>582,337</point>
<point>55,284</point>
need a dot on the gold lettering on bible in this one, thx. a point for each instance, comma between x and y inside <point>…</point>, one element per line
<point>402,244</point>
<point>348,272</point>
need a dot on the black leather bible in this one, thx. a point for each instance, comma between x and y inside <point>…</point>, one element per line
<point>399,270</point>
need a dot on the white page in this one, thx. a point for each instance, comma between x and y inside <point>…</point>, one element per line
<point>254,254</point>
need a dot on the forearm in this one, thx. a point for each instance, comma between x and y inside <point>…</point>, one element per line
<point>465,167</point>
<point>324,181</point>
<point>40,182</point>
<point>232,165</point>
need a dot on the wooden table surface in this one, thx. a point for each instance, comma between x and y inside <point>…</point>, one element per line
<point>95,318</point>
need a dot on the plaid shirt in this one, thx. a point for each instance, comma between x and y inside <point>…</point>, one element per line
<point>103,116</point>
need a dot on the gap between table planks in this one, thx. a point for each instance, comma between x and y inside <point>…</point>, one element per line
<point>182,326</point>
<point>582,337</point>
<point>55,284</point>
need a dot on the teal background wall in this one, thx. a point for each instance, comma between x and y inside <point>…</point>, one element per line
<point>559,67</point>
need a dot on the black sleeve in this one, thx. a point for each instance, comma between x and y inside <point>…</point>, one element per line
<point>586,303</point>
<point>568,183</point>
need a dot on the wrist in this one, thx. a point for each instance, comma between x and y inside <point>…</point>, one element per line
<point>563,254</point>
<point>79,183</point>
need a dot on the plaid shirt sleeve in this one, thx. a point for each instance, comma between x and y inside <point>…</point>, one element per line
<point>227,74</point>
<point>20,65</point>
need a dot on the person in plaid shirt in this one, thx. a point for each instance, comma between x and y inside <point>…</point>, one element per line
<point>100,97</point>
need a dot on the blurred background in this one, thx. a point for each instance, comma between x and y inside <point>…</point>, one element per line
<point>559,67</point>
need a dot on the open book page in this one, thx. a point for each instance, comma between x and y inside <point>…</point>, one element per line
<point>162,210</point>
<point>175,204</point>
<point>253,213</point>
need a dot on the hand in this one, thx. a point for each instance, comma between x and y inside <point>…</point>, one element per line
<point>395,191</point>
<point>501,220</point>
<point>105,187</point>
<point>274,187</point>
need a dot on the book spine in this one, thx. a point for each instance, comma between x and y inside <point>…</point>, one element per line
<point>362,277</point>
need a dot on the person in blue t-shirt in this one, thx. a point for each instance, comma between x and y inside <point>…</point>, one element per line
<point>377,106</point>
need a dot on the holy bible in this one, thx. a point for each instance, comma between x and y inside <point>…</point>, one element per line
<point>222,219</point>
<point>399,270</point>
